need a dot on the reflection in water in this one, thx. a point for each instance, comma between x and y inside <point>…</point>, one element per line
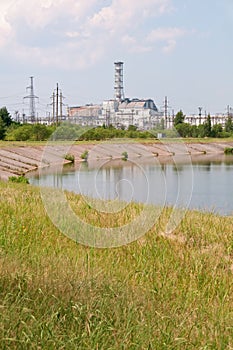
<point>160,184</point>
<point>178,168</point>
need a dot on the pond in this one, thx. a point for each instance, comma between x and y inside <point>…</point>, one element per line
<point>203,183</point>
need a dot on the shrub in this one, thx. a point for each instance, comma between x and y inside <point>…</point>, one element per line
<point>70,157</point>
<point>84,155</point>
<point>228,150</point>
<point>22,133</point>
<point>19,179</point>
<point>40,132</point>
<point>124,155</point>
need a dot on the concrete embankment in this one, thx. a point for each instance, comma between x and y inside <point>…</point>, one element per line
<point>18,160</point>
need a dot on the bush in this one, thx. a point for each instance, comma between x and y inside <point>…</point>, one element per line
<point>22,133</point>
<point>184,129</point>
<point>228,150</point>
<point>84,155</point>
<point>40,132</point>
<point>124,155</point>
<point>25,132</point>
<point>70,157</point>
<point>67,131</point>
<point>18,179</point>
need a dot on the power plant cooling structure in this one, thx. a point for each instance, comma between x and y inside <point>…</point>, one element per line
<point>119,90</point>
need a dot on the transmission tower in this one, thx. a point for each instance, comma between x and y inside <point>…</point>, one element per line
<point>32,104</point>
<point>165,108</point>
<point>200,114</point>
<point>53,106</point>
<point>57,100</point>
<point>61,104</point>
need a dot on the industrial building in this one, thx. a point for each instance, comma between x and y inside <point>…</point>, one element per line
<point>120,111</point>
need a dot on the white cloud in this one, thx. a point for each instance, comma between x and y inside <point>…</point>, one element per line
<point>76,34</point>
<point>168,36</point>
<point>122,14</point>
<point>5,28</point>
<point>73,34</point>
<point>42,13</point>
<point>133,46</point>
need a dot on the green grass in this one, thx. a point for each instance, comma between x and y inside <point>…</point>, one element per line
<point>19,179</point>
<point>160,292</point>
<point>118,140</point>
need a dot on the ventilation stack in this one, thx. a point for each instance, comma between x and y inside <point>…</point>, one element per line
<point>119,90</point>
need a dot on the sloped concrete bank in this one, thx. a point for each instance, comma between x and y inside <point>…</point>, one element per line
<point>19,160</point>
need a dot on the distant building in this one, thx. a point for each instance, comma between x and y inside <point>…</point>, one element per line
<point>85,115</point>
<point>120,111</point>
<point>138,112</point>
<point>141,113</point>
<point>201,119</point>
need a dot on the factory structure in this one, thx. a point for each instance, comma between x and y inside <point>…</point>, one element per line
<point>119,112</point>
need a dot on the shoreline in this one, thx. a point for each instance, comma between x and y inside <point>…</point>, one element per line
<point>16,160</point>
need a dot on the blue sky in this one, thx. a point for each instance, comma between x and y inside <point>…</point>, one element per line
<point>176,48</point>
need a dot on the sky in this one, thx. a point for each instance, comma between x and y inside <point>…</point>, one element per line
<point>181,49</point>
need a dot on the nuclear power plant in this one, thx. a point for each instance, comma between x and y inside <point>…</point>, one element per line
<point>119,112</point>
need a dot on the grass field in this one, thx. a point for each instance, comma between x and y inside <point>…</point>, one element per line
<point>120,140</point>
<point>159,292</point>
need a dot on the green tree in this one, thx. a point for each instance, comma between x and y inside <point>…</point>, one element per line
<point>40,132</point>
<point>201,130</point>
<point>229,125</point>
<point>184,129</point>
<point>194,131</point>
<point>2,129</point>
<point>162,124</point>
<point>10,131</point>
<point>207,127</point>
<point>217,130</point>
<point>22,133</point>
<point>5,115</point>
<point>179,118</point>
<point>67,131</point>
<point>132,128</point>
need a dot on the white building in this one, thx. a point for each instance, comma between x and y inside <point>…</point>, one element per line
<point>141,113</point>
<point>201,119</point>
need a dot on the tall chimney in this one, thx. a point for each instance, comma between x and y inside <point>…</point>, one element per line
<point>119,90</point>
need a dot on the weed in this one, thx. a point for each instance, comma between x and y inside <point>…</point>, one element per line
<point>19,179</point>
<point>70,157</point>
<point>84,155</point>
<point>228,150</point>
<point>124,155</point>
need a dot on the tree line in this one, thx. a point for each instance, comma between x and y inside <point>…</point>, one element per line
<point>202,130</point>
<point>13,131</point>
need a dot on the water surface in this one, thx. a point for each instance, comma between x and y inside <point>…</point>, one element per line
<point>202,183</point>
